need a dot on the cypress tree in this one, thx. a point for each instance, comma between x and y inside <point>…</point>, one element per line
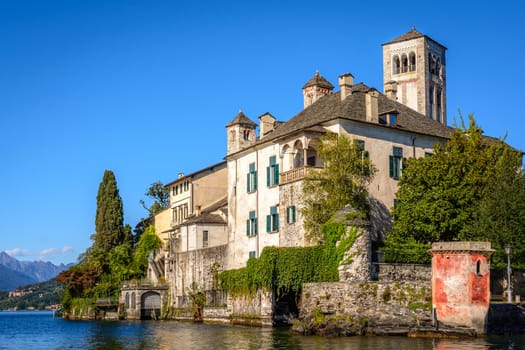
<point>109,219</point>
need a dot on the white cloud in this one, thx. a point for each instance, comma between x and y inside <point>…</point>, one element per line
<point>18,252</point>
<point>44,253</point>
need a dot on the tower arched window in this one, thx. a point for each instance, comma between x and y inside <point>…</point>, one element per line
<point>246,134</point>
<point>412,62</point>
<point>396,65</point>
<point>404,63</point>
<point>432,63</point>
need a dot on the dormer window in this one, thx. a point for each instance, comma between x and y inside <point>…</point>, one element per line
<point>389,118</point>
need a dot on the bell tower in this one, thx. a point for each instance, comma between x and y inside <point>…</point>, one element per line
<point>416,63</point>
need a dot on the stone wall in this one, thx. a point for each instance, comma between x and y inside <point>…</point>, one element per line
<point>253,310</point>
<point>380,306</point>
<point>389,272</point>
<point>498,283</point>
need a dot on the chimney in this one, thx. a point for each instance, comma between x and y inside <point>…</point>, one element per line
<point>346,81</point>
<point>266,123</point>
<point>181,175</point>
<point>371,105</point>
<point>197,210</point>
<point>391,90</point>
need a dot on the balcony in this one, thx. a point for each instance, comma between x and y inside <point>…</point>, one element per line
<point>295,174</point>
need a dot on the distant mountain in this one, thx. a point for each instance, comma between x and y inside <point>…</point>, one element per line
<point>12,279</point>
<point>36,271</point>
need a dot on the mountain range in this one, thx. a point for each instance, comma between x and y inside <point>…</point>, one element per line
<point>15,273</point>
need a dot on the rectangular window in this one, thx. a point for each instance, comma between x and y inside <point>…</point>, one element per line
<point>272,172</point>
<point>272,220</point>
<point>204,239</point>
<point>251,224</point>
<point>392,117</point>
<point>395,162</point>
<point>251,254</point>
<point>251,179</point>
<point>361,148</point>
<point>290,214</point>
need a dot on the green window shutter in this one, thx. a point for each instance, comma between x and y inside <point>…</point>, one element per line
<point>391,166</point>
<point>268,182</point>
<point>268,223</point>
<point>276,222</point>
<point>293,213</point>
<point>397,151</point>
<point>272,160</point>
<point>248,182</point>
<point>255,180</point>
<point>288,215</point>
<point>255,230</point>
<point>273,210</point>
<point>247,227</point>
<point>276,174</point>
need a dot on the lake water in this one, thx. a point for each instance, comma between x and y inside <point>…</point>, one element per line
<point>39,330</point>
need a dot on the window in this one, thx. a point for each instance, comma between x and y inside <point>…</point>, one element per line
<point>382,119</point>
<point>392,118</point>
<point>290,214</point>
<point>272,220</point>
<point>404,63</point>
<point>272,172</point>
<point>251,254</point>
<point>429,154</point>
<point>204,239</point>
<point>395,162</point>
<point>251,179</point>
<point>246,134</point>
<point>251,224</point>
<point>412,62</point>
<point>361,148</point>
<point>396,64</point>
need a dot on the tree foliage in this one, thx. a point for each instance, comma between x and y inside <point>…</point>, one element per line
<point>161,198</point>
<point>343,180</point>
<point>109,219</point>
<point>460,192</point>
<point>500,215</point>
<point>148,243</point>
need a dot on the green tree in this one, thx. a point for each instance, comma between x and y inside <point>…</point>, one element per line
<point>438,195</point>
<point>471,188</point>
<point>109,219</point>
<point>148,243</point>
<point>160,195</point>
<point>343,180</point>
<point>500,216</point>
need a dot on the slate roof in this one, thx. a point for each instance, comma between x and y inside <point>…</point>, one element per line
<point>320,81</point>
<point>331,107</point>
<point>207,215</point>
<point>412,34</point>
<point>241,118</point>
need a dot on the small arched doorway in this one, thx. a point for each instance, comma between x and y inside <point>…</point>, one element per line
<point>150,306</point>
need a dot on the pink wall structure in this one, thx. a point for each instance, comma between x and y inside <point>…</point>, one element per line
<point>461,283</point>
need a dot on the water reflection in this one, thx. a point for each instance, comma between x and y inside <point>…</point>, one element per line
<point>35,332</point>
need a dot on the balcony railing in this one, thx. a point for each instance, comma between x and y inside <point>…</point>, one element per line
<point>295,174</point>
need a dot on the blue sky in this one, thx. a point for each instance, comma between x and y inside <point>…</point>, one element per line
<point>145,88</point>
